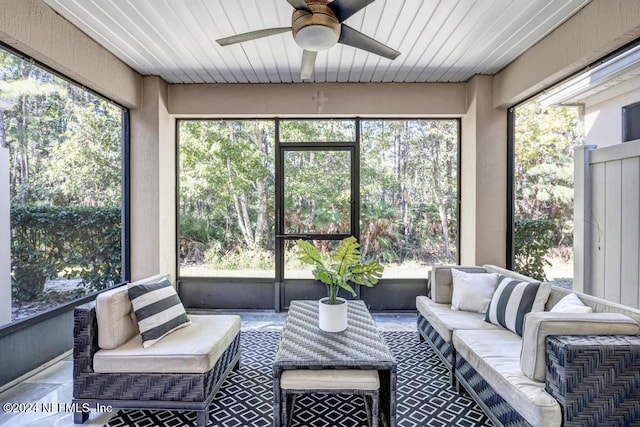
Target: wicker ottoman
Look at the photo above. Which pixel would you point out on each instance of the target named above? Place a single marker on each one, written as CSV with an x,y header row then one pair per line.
x,y
596,379
330,381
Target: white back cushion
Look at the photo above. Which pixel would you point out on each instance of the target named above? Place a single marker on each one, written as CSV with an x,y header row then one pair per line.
x,y
116,325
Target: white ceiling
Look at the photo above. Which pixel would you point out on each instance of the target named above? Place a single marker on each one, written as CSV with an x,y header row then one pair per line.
x,y
439,40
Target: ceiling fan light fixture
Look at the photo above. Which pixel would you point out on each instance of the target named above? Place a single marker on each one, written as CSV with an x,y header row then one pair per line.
x,y
316,37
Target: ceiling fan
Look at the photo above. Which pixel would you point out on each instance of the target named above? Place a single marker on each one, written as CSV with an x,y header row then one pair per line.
x,y
318,25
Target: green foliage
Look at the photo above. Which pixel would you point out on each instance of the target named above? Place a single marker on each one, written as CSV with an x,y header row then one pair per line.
x,y
241,259
343,266
533,238
408,187
73,242
543,181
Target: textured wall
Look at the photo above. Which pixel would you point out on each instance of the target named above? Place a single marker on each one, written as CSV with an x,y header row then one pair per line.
x,y
598,29
328,99
34,29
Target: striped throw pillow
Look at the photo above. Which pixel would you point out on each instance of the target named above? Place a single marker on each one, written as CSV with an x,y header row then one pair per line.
x,y
513,299
157,308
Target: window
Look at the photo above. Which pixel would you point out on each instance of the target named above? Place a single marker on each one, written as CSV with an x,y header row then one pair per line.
x,y
631,122
408,188
544,138
226,197
65,156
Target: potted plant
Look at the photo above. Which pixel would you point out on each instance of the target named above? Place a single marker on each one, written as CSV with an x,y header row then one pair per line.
x,y
343,267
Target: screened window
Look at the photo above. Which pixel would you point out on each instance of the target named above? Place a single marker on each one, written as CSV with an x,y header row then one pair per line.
x,y
543,190
409,190
226,198
407,193
63,148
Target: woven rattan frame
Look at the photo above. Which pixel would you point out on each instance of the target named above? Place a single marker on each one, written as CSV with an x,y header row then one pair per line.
x,y
304,346
595,378
445,351
287,397
496,408
170,391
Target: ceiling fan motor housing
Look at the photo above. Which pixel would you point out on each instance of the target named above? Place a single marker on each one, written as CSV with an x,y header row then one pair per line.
x,y
315,30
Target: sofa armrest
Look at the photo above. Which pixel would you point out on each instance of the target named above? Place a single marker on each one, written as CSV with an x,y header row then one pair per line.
x,y
85,338
595,379
539,325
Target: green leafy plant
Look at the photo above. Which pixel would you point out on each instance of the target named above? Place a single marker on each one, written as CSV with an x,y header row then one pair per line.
x,y
533,239
51,242
342,267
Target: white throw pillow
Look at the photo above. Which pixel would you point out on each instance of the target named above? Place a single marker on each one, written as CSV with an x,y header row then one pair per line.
x,y
472,291
571,304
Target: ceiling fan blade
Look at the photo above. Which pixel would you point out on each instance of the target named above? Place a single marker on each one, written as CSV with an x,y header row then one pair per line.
x,y
345,8
252,35
299,5
308,62
356,39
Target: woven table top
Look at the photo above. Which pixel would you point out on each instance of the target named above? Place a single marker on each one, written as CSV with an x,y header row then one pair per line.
x,y
304,344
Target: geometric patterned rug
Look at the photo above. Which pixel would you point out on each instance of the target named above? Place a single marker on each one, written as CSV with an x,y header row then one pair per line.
x,y
425,396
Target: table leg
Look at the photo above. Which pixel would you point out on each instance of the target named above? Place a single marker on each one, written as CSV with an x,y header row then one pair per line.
x,y
388,378
277,401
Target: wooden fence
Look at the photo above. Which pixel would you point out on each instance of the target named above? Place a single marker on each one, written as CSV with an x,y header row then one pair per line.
x,y
607,222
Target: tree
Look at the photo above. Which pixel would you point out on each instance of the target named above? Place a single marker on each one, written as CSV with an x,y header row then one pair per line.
x,y
85,168
227,176
543,182
543,179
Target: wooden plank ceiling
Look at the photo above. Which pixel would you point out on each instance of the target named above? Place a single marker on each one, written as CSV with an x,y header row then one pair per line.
x,y
439,40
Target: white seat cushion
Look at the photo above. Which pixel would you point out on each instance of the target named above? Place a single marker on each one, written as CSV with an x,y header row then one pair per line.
x,y
195,349
495,354
329,379
445,321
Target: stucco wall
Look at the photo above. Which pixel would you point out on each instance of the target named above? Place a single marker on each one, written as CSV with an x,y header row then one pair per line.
x,y
153,246
325,99
603,114
598,29
483,165
33,28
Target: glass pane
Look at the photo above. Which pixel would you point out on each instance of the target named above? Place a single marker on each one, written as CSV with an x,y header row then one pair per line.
x,y
317,191
226,197
543,190
64,161
408,192
317,130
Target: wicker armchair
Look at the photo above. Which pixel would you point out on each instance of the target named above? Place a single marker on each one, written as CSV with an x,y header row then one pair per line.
x,y
145,390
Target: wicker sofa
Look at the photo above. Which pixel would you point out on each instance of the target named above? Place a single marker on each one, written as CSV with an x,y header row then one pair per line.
x,y
182,371
566,369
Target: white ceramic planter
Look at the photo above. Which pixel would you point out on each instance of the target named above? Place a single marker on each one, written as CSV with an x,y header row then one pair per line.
x,y
332,318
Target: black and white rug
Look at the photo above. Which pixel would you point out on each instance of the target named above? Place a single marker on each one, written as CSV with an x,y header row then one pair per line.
x,y
425,396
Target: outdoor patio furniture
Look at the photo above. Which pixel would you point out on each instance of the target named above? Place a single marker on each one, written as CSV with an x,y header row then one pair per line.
x,y
182,371
513,376
306,350
325,381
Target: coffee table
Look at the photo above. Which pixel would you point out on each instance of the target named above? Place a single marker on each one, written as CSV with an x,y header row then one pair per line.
x,y
360,346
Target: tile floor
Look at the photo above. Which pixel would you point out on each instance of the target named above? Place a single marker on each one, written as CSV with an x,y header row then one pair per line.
x,y
46,393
